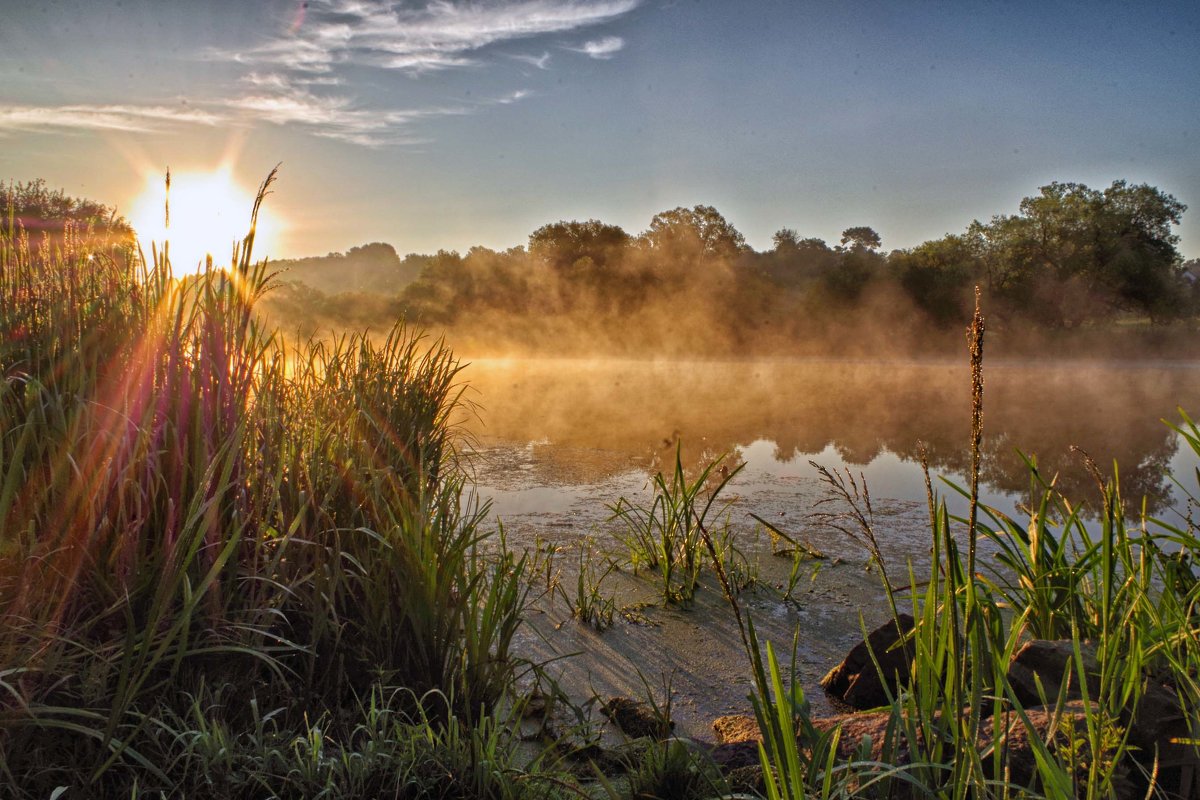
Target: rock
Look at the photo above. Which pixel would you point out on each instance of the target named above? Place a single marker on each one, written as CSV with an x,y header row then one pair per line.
x,y
747,780
857,728
1157,719
1047,661
857,683
865,736
736,728
1057,730
735,755
636,719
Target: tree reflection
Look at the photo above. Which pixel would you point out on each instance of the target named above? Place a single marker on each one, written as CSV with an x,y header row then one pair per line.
x,y
863,409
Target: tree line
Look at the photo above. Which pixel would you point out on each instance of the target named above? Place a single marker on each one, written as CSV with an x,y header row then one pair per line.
x,y
1072,257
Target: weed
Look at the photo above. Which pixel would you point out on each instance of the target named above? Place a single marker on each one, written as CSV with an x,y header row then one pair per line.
x,y
589,605
665,537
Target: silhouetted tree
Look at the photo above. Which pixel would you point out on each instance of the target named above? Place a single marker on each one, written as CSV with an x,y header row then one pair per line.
x,y
861,237
583,250
937,276
857,262
786,241
700,231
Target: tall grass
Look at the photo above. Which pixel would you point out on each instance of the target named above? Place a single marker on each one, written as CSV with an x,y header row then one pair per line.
x,y
1126,600
189,501
665,537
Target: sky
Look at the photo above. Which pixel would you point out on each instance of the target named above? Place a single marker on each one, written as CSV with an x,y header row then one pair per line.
x,y
449,124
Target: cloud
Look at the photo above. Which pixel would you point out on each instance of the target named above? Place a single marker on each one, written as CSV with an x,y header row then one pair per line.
x,y
269,80
270,100
125,118
601,48
439,35
540,62
295,78
336,117
332,36
512,97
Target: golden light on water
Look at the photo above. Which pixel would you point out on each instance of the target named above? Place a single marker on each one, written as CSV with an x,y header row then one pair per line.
x,y
209,212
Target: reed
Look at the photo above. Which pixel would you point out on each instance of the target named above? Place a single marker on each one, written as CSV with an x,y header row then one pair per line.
x,y
588,603
665,537
187,500
1127,592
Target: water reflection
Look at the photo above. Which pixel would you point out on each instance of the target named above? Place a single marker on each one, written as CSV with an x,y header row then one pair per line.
x,y
631,413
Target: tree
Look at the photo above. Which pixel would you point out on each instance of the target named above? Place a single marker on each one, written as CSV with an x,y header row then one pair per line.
x,y
698,231
857,262
1075,254
786,241
37,208
562,244
795,260
861,238
936,275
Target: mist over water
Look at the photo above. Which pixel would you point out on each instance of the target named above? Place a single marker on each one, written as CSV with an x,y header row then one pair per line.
x,y
587,422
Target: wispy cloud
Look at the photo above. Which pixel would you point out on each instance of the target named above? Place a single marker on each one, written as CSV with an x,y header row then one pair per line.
x,y
333,35
439,35
601,48
124,118
337,117
512,97
541,62
270,101
300,78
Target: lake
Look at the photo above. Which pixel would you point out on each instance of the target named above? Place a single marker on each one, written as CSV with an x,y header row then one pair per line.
x,y
556,441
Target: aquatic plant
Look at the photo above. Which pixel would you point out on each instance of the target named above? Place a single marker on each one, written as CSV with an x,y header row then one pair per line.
x,y
1126,596
665,537
588,603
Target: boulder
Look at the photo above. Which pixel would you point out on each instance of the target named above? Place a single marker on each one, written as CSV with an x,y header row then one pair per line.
x,y
636,719
1046,661
736,728
1061,730
857,683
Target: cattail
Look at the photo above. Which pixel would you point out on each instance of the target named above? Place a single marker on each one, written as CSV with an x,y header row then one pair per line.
x,y
975,346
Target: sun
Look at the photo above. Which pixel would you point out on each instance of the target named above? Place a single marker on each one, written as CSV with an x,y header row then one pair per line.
x,y
209,211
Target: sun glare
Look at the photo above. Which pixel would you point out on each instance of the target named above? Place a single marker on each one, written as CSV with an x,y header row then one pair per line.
x,y
209,212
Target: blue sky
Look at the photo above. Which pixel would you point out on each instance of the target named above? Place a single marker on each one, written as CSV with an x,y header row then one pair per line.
x,y
448,124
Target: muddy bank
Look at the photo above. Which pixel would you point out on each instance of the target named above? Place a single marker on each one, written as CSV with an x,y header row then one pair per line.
x,y
696,649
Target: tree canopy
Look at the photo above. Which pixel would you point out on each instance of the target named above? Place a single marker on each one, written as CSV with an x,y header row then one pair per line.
x,y
697,231
563,244
34,206
1075,254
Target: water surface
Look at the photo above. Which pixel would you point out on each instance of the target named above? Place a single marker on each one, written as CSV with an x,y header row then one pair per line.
x,y
558,440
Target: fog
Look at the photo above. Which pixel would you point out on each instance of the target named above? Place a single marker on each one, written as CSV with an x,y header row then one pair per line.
x,y
591,337
860,409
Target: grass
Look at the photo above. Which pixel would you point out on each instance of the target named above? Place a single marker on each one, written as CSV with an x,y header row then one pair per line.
x,y
202,521
235,565
588,603
665,537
